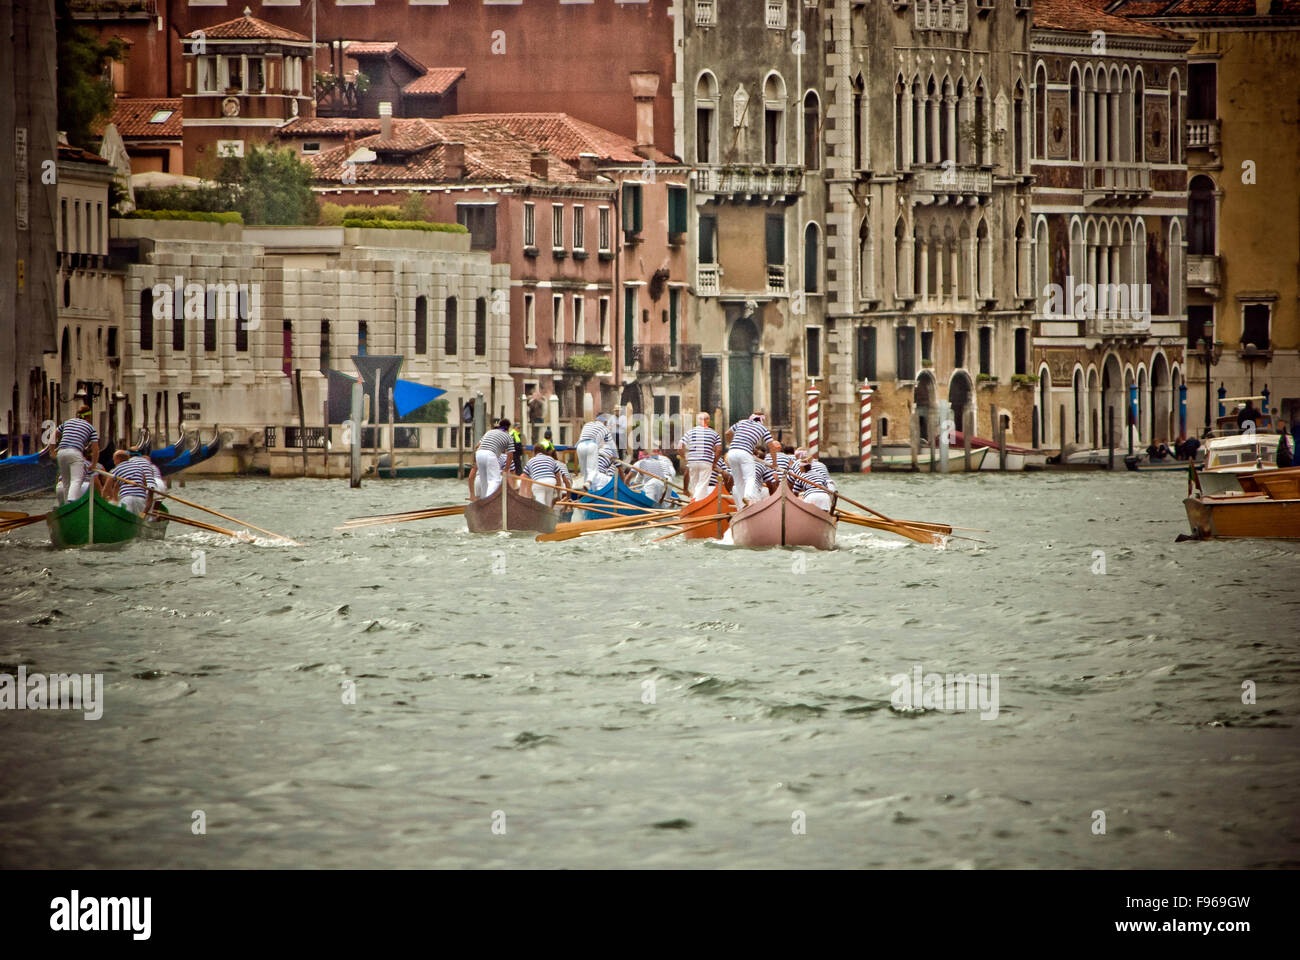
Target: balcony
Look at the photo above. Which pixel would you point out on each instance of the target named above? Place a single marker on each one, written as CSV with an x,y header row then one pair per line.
x,y
706,13
1115,183
953,185
941,15
1203,135
750,183
707,282
567,351
1203,274
776,278
1117,326
666,358
775,15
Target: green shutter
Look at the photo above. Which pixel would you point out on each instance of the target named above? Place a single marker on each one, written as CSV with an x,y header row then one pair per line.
x,y
776,239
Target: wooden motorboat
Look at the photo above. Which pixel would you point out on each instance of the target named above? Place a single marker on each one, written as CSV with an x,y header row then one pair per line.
x,y
716,501
891,459
783,520
517,512
1267,508
94,521
1231,457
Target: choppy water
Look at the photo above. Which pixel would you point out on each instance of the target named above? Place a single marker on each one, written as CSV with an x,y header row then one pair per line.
x,y
499,674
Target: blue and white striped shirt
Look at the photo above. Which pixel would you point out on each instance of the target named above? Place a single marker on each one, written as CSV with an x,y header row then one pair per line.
x,y
496,441
700,442
77,434
135,477
607,463
563,471
597,431
816,472
749,434
542,467
720,469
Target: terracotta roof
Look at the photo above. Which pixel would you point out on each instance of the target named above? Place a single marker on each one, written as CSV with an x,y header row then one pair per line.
x,y
369,49
417,153
330,126
78,155
1212,8
436,80
567,136
133,118
1085,16
249,28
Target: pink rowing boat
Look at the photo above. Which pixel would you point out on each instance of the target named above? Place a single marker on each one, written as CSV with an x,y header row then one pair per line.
x,y
783,520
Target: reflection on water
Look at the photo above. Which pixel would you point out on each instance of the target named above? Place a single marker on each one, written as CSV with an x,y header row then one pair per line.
x,y
609,702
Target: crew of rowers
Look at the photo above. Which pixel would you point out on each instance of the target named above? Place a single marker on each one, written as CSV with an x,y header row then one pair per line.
x,y
754,463
132,483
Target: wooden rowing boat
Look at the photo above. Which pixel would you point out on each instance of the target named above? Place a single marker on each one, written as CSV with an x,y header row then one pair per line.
x,y
521,513
716,501
615,489
97,523
1267,508
783,520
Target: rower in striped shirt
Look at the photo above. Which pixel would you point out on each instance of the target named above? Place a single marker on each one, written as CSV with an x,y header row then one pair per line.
x,y
133,478
701,446
77,444
594,436
814,470
607,467
547,469
721,474
493,451
742,439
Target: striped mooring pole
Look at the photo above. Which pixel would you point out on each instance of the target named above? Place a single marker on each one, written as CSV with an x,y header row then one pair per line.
x,y
814,421
864,397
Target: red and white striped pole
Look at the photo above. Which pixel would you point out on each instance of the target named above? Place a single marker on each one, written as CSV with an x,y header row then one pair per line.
x,y
814,420
864,396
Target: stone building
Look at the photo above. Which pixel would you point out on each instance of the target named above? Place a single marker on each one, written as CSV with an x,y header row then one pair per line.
x,y
1108,229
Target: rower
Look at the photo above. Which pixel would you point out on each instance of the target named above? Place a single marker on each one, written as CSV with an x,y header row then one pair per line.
x,y
78,450
702,447
594,435
656,488
721,474
490,456
134,477
812,469
606,467
743,437
545,468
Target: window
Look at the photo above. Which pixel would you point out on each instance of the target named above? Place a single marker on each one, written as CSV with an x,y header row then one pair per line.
x,y
210,321
99,228
811,258
865,367
480,327
579,239
676,212
146,318
1018,128
1254,325
178,321
112,342
927,347
421,325
1200,217
1175,121
530,320
450,321
1022,351
631,209
906,347
256,75
708,238
64,207
774,119
629,323
324,346
310,147
208,75
986,350
286,361
361,338
813,351
959,349
530,225
775,240
706,119
241,323
1200,324
812,132
780,380
1202,91
1040,112
579,319
234,73
604,321
602,221
557,226
557,318
674,318
480,219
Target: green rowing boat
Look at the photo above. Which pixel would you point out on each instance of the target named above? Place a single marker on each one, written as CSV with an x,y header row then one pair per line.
x,y
82,523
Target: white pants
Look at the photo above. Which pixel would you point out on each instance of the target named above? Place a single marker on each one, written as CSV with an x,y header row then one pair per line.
x,y
74,477
599,481
588,454
134,504
544,495
699,473
488,477
743,474
820,500
654,489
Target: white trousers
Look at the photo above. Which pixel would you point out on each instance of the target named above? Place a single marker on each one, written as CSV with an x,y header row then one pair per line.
x,y
743,474
698,472
488,477
133,504
544,495
74,477
588,456
654,489
820,500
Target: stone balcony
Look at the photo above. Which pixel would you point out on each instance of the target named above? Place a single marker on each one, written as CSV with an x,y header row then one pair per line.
x,y
1203,135
1203,274
776,278
952,185
748,183
1115,182
708,280
1103,325
683,358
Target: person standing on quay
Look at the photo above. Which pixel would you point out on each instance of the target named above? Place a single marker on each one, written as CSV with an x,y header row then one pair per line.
x,y
701,446
744,437
78,449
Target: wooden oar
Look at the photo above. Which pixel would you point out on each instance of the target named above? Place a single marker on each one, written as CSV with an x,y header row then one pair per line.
x,y
659,523
628,511
431,514
895,528
689,525
939,528
594,496
198,523
903,530
215,513
402,513
13,514
567,531
624,463
21,522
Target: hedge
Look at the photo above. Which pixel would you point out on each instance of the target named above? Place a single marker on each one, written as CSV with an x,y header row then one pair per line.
x,y
193,215
376,224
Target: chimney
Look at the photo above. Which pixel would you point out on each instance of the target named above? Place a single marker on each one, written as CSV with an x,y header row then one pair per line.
x,y
644,88
587,166
454,160
539,165
385,120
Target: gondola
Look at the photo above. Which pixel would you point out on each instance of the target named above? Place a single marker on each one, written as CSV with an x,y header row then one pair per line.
x,y
521,513
93,521
192,456
783,520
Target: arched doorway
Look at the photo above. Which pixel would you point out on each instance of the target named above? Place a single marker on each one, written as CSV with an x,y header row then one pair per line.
x,y
65,368
1080,407
924,396
1145,433
1044,413
1113,398
632,395
742,345
1162,423
959,394
1094,409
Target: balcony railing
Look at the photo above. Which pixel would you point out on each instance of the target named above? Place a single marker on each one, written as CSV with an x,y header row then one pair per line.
x,y
706,13
776,278
1202,134
963,182
1118,326
1202,271
751,181
776,15
666,358
1115,182
566,351
707,280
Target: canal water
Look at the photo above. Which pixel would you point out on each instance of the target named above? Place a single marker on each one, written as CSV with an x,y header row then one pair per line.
x,y
609,702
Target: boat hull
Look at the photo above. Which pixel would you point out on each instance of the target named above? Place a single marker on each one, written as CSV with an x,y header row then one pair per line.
x,y
76,525
523,514
1243,517
716,502
33,473
956,460
618,490
1226,479
783,520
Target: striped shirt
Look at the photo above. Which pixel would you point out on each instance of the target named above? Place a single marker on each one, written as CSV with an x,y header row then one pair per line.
x,y
720,469
544,468
658,465
597,431
563,471
77,434
135,476
749,434
607,463
816,472
700,442
496,441
763,471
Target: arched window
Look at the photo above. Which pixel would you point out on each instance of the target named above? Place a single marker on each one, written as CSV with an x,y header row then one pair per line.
x,y
1139,118
919,264
774,119
866,272
1200,217
983,263
1076,115
918,122
901,123
811,258
1042,266
902,268
1126,119
421,325
146,318
933,146
1177,276
981,121
964,290
948,124
480,327
1175,120
859,106
451,318
1018,128
706,118
963,120
1022,260
1040,112
812,153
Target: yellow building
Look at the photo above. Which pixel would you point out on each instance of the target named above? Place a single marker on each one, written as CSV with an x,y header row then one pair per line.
x,y
1243,224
